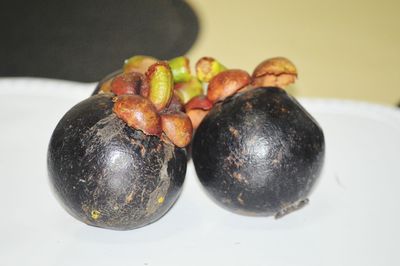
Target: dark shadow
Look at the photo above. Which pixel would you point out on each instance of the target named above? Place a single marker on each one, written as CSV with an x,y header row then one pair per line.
x,y
85,40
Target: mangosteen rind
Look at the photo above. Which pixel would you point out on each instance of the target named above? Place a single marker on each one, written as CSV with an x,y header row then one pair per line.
x,y
259,152
109,175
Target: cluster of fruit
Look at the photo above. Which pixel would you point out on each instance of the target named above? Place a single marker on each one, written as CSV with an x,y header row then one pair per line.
x,y
118,159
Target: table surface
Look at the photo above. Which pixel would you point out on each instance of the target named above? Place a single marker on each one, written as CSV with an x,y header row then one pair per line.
x,y
352,218
343,49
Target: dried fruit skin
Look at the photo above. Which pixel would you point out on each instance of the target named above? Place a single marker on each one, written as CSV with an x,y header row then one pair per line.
x,y
138,113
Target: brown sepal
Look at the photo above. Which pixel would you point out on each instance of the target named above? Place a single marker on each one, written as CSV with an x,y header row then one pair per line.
x,y
177,127
226,84
129,83
277,71
196,116
175,105
199,102
139,113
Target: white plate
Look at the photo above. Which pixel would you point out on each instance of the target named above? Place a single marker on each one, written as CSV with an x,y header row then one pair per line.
x,y
352,218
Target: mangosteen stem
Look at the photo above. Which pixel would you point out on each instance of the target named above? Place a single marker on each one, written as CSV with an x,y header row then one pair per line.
x,y
291,208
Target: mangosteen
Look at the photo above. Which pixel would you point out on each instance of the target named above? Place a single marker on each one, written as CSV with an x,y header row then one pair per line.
x,y
259,152
117,160
108,174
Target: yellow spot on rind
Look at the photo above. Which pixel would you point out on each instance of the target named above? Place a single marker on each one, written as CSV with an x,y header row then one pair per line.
x,y
160,200
95,214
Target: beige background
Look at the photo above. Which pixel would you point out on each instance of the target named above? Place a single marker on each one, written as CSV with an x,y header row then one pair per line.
x,y
343,49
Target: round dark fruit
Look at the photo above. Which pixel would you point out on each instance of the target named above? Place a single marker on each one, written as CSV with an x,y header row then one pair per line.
x,y
259,153
109,175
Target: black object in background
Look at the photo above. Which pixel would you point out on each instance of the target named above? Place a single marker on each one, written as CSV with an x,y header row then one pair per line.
x,y
85,40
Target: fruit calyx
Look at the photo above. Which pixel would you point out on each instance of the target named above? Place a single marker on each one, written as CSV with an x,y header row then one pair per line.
x,y
147,102
170,87
274,72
